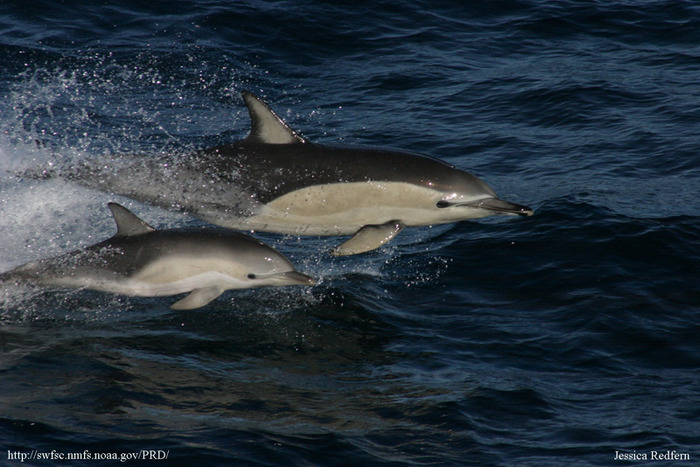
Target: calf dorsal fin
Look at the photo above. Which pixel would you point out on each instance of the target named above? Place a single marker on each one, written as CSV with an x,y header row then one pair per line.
x,y
128,224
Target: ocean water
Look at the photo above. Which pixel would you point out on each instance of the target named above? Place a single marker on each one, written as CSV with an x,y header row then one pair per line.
x,y
571,337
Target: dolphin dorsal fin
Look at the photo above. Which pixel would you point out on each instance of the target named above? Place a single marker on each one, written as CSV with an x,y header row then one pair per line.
x,y
265,126
128,224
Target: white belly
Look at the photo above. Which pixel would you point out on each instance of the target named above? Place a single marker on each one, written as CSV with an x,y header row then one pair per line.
x,y
165,277
343,208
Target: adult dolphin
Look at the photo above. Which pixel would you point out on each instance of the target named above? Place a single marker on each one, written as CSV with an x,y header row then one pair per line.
x,y
142,261
276,181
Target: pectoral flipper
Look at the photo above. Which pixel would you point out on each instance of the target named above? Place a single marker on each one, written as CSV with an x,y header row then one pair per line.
x,y
368,238
198,298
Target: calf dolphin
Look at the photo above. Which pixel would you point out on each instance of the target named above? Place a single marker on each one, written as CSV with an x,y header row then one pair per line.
x,y
142,261
276,181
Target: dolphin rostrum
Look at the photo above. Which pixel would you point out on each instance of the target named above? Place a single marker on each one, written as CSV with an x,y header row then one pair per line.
x,y
274,180
142,261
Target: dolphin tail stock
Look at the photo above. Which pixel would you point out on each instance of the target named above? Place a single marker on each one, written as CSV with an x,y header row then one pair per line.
x,y
369,238
42,171
47,170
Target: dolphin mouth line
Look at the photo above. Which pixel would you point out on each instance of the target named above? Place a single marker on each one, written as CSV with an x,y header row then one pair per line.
x,y
289,277
500,206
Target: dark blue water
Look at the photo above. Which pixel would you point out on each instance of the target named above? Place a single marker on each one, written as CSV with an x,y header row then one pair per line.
x,y
566,338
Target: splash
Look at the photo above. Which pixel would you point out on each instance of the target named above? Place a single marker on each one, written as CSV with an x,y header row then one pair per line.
x,y
98,105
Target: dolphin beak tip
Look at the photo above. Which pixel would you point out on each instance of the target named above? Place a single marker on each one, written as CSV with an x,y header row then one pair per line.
x,y
298,278
310,281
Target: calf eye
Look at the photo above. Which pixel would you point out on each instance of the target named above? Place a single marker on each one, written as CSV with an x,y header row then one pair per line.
x,y
442,204
251,276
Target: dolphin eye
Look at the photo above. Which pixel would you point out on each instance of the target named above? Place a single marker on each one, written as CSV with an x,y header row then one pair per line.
x,y
251,276
442,204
